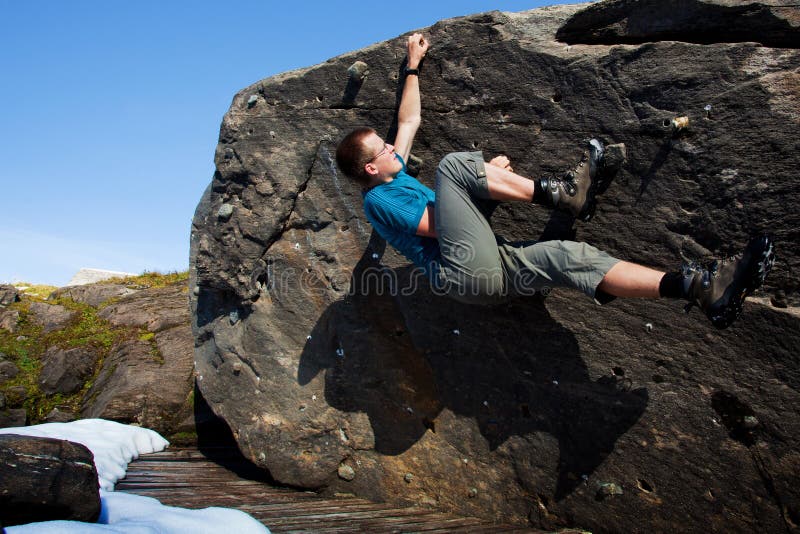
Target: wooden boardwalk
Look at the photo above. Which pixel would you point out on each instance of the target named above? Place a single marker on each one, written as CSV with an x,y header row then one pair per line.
x,y
191,479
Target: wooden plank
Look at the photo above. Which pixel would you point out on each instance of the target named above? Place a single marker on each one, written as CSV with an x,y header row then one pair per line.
x,y
188,478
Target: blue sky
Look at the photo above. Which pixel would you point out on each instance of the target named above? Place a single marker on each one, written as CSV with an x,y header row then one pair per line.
x,y
110,114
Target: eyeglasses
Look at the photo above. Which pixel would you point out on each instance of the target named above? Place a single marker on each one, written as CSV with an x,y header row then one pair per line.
x,y
381,153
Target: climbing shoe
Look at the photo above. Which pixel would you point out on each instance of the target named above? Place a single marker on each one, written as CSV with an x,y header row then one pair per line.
x,y
575,191
720,287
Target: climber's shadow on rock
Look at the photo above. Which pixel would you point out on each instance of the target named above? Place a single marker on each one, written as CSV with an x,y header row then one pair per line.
x,y
399,353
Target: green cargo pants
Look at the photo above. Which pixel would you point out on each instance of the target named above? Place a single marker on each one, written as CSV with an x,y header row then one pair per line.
x,y
479,267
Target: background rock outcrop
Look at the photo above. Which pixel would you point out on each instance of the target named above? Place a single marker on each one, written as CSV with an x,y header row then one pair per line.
x,y
120,351
339,370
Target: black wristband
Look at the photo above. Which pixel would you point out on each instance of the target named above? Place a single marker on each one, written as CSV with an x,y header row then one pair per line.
x,y
408,71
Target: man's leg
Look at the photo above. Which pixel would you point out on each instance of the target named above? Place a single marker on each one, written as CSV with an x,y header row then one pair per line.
x,y
575,192
470,268
626,279
508,186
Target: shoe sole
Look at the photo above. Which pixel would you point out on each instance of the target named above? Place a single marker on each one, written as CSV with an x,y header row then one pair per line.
x,y
595,156
757,261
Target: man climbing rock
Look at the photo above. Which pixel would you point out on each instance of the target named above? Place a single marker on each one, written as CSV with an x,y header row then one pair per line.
x,y
447,234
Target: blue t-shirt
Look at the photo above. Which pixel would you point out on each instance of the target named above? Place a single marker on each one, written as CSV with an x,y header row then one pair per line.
x,y
394,209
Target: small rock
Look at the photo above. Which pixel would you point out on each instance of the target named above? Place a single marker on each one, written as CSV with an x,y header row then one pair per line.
x,y
7,371
9,320
473,492
648,327
358,70
60,416
457,332
51,316
233,316
779,299
237,368
750,422
8,295
408,478
15,396
224,212
346,472
252,101
607,489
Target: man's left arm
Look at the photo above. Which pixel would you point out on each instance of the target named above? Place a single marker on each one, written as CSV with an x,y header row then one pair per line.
x,y
409,116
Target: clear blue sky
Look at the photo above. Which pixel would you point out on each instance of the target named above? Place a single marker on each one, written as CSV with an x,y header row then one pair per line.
x,y
110,113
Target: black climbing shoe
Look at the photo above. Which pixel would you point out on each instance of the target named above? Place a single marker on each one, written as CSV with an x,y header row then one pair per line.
x,y
575,191
719,288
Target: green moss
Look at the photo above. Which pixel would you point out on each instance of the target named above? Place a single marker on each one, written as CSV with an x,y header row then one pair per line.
x,y
28,344
150,279
36,290
182,438
147,336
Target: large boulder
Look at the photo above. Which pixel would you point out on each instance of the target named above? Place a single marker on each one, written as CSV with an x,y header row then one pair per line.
x,y
338,368
45,479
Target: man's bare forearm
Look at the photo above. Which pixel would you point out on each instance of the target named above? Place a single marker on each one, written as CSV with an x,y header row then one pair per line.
x,y
409,115
410,111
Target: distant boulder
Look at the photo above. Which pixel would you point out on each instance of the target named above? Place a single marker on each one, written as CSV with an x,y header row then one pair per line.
x,y
93,294
66,371
9,320
51,316
91,276
8,295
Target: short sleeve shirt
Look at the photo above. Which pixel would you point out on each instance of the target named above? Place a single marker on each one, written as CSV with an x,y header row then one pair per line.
x,y
394,209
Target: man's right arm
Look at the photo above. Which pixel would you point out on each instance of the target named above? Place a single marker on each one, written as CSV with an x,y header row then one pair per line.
x,y
409,116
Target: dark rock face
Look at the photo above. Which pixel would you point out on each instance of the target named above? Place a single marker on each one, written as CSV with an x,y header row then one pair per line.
x,y
65,371
93,294
773,23
8,295
46,479
138,384
326,354
147,381
51,316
